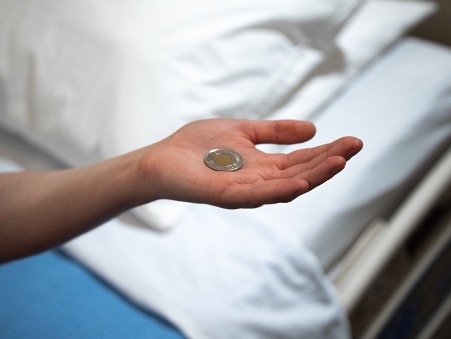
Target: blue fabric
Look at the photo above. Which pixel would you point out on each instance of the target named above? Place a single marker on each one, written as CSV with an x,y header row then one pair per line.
x,y
51,296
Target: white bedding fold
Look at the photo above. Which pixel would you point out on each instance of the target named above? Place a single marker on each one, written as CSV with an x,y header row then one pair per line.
x,y
218,275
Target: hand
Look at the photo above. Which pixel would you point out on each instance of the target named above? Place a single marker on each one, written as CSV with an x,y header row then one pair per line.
x,y
174,168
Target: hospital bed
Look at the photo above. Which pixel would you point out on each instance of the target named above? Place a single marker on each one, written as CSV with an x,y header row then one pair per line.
x,y
381,240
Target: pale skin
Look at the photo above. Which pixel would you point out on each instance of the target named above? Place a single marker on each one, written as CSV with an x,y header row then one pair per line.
x,y
41,210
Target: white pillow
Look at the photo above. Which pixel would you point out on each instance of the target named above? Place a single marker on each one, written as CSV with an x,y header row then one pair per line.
x,y
371,30
90,80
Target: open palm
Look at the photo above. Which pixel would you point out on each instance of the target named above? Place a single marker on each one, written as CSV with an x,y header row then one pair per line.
x,y
174,168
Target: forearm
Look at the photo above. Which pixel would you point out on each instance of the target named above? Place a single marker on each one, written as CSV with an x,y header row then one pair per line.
x,y
40,210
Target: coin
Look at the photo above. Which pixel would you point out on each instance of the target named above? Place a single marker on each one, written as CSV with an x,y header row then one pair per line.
x,y
223,160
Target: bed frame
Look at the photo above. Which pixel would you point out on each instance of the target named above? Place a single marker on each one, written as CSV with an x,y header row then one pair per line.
x,y
395,281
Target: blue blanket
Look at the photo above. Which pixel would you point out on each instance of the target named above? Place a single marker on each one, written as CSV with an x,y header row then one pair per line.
x,y
51,296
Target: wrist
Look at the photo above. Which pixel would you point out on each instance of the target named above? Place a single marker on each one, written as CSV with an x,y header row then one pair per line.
x,y
142,173
116,181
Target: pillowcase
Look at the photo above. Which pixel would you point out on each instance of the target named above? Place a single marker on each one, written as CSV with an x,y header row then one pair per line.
x,y
89,80
371,30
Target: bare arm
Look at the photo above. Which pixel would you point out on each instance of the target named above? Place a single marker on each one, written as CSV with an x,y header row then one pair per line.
x,y
40,210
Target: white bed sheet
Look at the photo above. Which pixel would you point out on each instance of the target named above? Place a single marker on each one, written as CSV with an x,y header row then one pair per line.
x,y
248,271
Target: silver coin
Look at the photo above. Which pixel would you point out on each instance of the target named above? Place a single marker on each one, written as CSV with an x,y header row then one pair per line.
x,y
223,160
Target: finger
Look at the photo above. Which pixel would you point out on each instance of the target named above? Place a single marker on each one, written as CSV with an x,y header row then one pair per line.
x,y
324,171
280,131
262,193
346,147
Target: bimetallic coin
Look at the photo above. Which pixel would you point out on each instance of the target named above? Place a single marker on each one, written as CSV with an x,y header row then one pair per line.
x,y
223,160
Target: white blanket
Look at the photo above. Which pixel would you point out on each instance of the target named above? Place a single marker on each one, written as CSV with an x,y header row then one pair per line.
x,y
218,275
